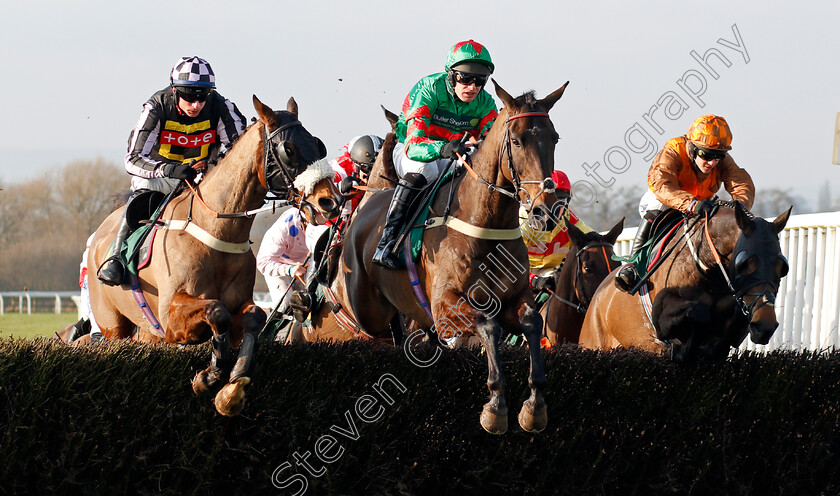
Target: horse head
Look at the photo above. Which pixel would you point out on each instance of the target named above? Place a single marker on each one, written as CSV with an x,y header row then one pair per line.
x,y
756,268
288,148
528,139
592,259
320,199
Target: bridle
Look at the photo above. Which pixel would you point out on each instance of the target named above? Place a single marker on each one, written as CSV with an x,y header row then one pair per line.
x,y
278,167
547,183
277,172
583,301
765,297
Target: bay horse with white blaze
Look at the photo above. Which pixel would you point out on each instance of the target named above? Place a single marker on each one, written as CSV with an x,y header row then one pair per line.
x,y
472,274
199,283
717,286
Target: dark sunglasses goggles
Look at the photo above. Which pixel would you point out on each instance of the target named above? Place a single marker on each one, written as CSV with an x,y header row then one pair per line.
x,y
467,79
193,95
710,155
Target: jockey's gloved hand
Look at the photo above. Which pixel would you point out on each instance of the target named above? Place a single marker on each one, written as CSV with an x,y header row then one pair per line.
x,y
544,283
704,206
450,149
345,187
179,171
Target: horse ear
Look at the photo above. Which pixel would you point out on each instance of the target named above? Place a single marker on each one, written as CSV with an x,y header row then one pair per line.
x,y
612,236
503,95
267,115
292,106
781,221
743,219
576,235
391,117
551,99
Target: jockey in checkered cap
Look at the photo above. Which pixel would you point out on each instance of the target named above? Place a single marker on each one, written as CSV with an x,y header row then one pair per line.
x,y
685,175
180,128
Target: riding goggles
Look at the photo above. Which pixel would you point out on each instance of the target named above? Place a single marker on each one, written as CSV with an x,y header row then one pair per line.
x,y
467,79
193,95
710,155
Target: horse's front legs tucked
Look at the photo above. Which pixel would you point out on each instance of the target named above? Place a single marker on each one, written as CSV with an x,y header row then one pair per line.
x,y
190,318
494,415
533,416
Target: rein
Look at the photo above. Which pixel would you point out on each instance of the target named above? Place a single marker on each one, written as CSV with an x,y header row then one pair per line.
x,y
583,303
517,183
746,309
487,233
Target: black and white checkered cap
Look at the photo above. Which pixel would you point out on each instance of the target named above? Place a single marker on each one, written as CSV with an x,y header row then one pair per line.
x,y
192,71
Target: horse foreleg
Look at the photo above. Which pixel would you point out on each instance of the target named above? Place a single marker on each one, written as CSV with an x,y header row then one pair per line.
x,y
188,319
533,416
494,414
220,362
231,398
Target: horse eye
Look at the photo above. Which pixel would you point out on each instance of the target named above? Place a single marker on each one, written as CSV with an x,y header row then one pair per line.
x,y
516,142
782,266
745,267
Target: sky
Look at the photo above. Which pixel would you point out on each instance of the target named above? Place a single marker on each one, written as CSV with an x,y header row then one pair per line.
x,y
76,74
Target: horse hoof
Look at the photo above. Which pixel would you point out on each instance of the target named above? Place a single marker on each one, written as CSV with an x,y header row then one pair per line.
x,y
231,399
494,422
533,421
203,382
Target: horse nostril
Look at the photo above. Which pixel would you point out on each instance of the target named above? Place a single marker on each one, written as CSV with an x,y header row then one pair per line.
x,y
327,204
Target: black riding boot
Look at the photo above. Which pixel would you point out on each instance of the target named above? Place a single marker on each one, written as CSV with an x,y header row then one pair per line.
x,y
112,271
406,190
627,278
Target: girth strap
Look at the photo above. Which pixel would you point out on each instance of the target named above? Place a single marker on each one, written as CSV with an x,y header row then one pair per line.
x,y
474,231
205,237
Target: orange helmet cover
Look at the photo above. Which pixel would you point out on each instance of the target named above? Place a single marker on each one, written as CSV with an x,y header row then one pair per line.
x,y
710,131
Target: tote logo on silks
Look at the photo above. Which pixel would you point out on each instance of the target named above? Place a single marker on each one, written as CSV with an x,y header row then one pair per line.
x,y
186,142
174,138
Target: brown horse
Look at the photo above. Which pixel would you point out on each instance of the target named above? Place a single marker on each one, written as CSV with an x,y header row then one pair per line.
x,y
588,262
200,281
473,271
718,284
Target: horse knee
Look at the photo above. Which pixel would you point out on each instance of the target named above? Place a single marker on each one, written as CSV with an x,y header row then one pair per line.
x,y
254,318
219,317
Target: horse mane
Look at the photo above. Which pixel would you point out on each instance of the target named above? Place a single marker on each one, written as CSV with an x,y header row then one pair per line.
x,y
734,204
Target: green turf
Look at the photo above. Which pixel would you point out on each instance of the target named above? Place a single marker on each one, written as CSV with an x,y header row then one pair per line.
x,y
38,324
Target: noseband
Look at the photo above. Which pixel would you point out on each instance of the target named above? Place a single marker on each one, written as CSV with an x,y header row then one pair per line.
x,y
767,297
517,183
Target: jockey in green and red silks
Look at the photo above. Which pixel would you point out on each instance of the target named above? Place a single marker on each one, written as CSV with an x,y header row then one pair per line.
x,y
432,114
438,113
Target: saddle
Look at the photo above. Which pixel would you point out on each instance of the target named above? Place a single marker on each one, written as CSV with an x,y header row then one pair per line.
x,y
664,227
136,252
416,225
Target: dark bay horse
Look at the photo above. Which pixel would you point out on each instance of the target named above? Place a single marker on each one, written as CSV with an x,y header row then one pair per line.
x,y
200,281
474,271
588,262
718,285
